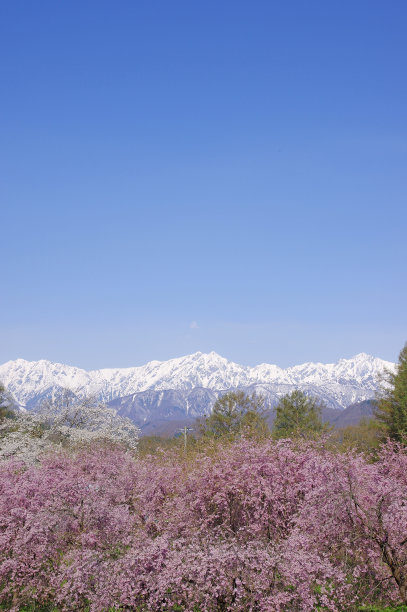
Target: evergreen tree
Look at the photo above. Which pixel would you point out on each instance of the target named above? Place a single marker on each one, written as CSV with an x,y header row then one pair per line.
x,y
235,414
392,402
297,414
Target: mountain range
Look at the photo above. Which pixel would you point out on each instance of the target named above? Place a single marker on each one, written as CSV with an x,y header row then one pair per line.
x,y
187,387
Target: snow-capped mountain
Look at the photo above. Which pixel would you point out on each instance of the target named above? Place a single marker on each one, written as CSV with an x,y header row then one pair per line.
x,y
338,384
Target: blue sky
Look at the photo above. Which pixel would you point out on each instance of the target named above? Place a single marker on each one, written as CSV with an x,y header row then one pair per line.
x,y
183,176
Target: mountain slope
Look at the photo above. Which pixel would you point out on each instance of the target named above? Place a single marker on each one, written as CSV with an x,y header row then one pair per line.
x,y
338,384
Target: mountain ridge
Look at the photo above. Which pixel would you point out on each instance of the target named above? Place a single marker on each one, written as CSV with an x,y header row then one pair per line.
x,y
340,383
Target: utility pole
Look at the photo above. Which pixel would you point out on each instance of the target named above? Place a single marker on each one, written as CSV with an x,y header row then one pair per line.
x,y
184,431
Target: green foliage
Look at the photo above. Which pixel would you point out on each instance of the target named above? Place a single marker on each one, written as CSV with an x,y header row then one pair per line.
x,y
236,414
298,415
151,445
380,609
5,412
392,403
364,437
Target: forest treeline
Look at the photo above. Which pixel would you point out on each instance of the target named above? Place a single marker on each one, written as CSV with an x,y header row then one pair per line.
x,y
297,415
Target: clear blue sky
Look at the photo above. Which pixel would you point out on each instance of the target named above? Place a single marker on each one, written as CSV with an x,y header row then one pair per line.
x,y
182,176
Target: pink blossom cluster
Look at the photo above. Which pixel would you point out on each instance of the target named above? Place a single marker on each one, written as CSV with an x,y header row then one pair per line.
x,y
255,526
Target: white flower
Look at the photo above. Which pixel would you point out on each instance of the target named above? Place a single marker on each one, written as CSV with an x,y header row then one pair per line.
x,y
67,421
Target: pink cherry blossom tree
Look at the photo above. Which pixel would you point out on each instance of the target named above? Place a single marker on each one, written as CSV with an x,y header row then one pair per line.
x,y
254,526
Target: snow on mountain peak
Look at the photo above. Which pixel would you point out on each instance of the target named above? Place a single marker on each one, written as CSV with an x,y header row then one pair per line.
x,y
359,376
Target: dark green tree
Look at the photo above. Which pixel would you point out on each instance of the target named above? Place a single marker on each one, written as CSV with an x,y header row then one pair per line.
x,y
298,415
392,401
5,404
236,414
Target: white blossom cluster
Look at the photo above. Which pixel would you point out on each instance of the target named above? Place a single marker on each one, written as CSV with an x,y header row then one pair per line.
x,y
66,422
